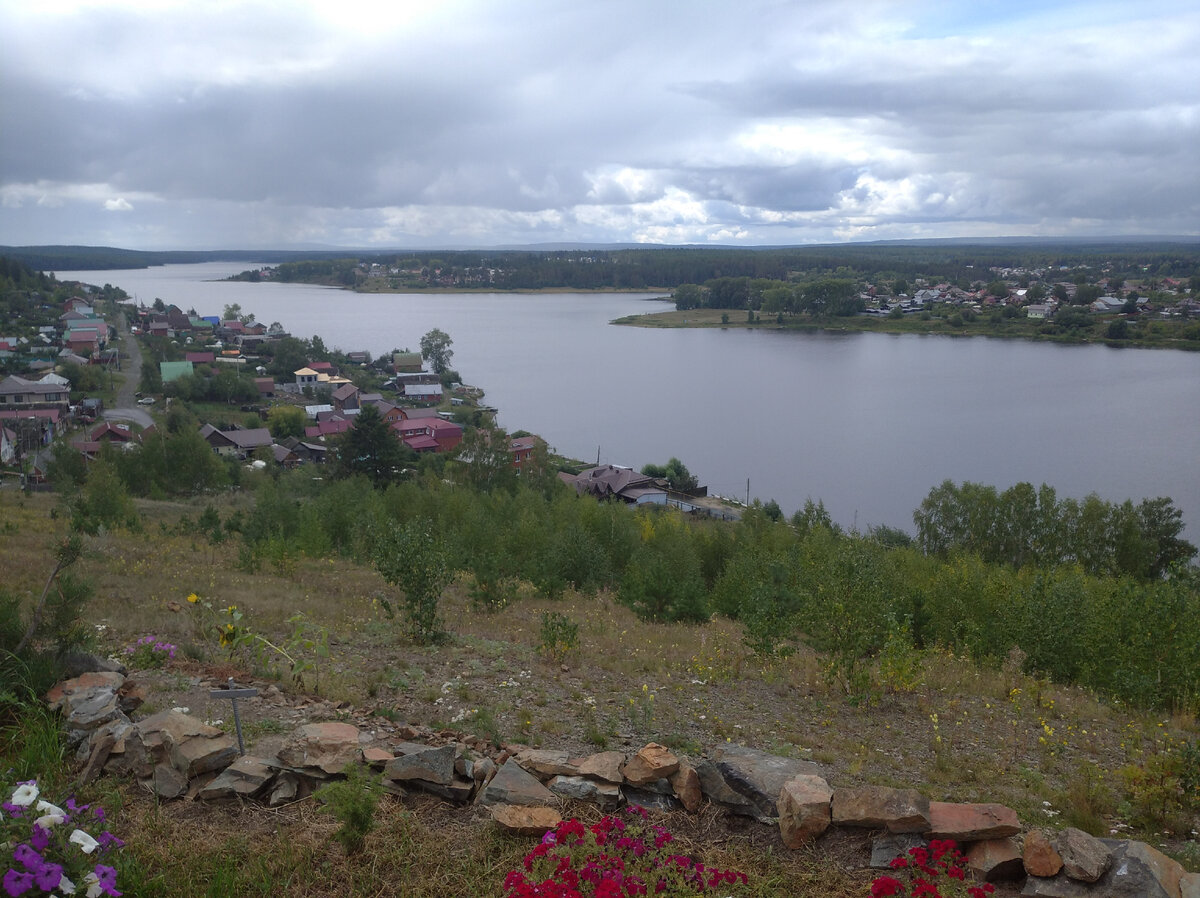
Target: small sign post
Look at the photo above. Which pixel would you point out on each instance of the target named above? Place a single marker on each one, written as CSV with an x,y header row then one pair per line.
x,y
233,692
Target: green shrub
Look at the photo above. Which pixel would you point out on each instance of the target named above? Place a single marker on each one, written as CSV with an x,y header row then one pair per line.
x,y
353,801
560,635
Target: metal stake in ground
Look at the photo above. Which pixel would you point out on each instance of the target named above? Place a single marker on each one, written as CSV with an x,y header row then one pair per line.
x,y
233,693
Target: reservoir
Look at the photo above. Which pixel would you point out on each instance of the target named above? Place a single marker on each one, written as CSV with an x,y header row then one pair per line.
x,y
868,423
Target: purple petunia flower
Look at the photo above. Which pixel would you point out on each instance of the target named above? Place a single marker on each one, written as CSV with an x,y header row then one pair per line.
x,y
106,878
17,883
28,858
107,840
48,877
39,838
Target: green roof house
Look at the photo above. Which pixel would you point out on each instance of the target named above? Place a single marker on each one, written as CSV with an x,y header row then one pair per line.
x,y
406,362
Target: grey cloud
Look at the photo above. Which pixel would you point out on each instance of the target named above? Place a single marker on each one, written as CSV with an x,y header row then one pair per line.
x,y
527,117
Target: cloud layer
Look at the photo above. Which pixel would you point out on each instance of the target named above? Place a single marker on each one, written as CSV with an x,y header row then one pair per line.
x,y
177,124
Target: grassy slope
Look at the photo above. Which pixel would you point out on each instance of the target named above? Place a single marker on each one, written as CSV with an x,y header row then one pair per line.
x,y
1038,744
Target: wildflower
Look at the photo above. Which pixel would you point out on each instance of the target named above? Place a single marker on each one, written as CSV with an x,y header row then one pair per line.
x,y
193,598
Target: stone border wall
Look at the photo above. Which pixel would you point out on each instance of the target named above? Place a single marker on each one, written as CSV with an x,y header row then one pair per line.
x,y
178,756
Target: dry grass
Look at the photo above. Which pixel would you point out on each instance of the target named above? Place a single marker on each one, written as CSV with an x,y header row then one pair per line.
x,y
1003,736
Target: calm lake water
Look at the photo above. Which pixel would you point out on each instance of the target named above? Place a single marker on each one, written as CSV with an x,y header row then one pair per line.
x,y
866,422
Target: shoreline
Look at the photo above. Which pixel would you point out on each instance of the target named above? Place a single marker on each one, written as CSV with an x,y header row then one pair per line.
x,y
661,293
706,319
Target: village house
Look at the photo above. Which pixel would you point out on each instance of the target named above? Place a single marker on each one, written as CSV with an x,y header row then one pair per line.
x,y
522,449
17,392
447,434
613,482
284,457
429,434
415,435
426,393
238,442
1108,304
388,411
406,362
305,451
345,397
36,426
328,428
102,433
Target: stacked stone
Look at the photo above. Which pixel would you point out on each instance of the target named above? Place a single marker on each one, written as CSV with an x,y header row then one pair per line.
x,y
523,789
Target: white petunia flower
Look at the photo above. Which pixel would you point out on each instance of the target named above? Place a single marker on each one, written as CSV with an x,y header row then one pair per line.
x,y
92,881
48,820
46,808
66,886
85,842
25,795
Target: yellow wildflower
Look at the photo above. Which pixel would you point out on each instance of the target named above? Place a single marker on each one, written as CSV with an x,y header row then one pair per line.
x,y
193,598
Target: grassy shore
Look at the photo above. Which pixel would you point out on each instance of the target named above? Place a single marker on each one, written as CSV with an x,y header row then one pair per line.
x,y
1159,334
955,730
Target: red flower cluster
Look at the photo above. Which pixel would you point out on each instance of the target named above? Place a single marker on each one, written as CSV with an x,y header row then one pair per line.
x,y
924,867
613,858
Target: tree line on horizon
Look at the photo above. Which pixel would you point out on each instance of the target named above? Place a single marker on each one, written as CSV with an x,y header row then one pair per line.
x,y
667,267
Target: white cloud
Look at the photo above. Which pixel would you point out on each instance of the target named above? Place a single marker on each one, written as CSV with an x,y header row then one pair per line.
x,y
120,204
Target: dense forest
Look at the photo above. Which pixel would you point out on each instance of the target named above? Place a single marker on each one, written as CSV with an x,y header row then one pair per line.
x,y
645,269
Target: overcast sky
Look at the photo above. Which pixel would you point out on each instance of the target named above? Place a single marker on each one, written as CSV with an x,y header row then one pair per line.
x,y
218,124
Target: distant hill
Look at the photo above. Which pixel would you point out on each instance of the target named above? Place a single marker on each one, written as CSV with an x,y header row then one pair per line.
x,y
106,258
